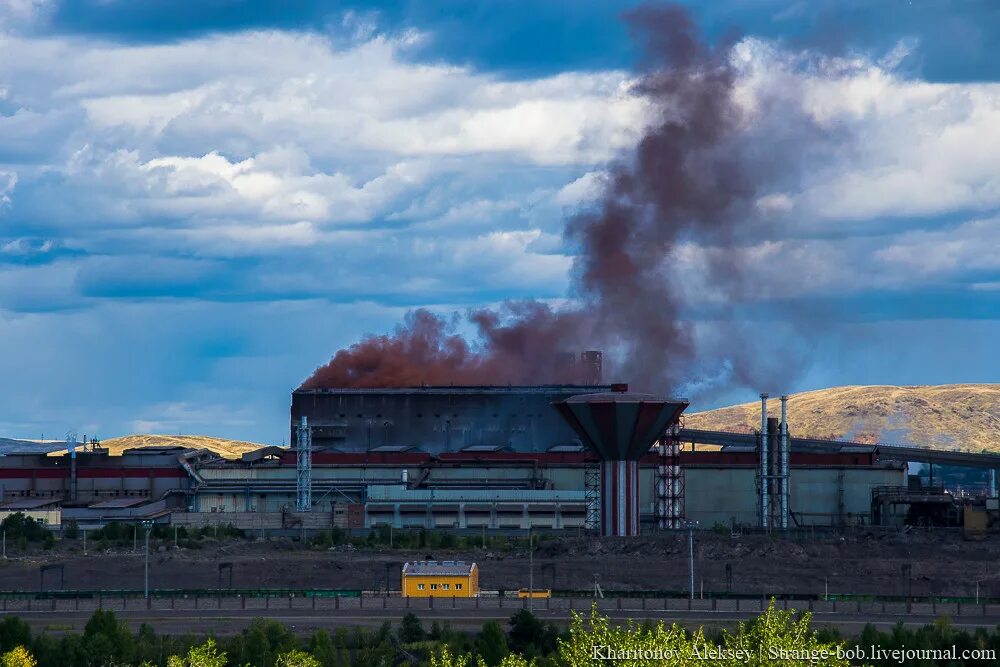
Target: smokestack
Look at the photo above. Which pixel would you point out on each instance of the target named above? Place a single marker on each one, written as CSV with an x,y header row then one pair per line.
x,y
73,484
591,366
784,478
567,367
764,505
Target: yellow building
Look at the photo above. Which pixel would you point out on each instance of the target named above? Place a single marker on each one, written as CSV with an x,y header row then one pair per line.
x,y
445,579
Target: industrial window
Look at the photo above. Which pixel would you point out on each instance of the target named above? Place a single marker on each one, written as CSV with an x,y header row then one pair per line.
x,y
420,587
458,587
446,586
434,587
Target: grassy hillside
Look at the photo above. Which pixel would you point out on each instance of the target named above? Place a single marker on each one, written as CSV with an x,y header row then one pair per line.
x,y
229,448
954,416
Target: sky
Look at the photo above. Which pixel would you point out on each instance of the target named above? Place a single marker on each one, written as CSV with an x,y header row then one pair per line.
x,y
199,206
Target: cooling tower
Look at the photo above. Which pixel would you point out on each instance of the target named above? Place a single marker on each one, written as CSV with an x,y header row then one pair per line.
x,y
620,427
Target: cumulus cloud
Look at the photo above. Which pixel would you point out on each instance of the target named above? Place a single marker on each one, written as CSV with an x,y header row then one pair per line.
x,y
912,149
278,193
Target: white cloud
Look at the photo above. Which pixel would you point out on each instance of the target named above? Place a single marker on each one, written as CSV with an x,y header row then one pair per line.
x,y
300,88
584,190
910,148
972,246
21,13
8,181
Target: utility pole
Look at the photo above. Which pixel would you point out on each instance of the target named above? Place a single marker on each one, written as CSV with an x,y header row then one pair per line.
x,y
691,525
135,538
5,545
145,573
531,574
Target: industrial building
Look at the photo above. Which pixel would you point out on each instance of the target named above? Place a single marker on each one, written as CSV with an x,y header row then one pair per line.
x,y
430,578
553,457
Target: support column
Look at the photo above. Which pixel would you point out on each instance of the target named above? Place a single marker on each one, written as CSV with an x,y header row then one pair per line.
x,y
619,498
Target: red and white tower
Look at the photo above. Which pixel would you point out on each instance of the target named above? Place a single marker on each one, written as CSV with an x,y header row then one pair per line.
x,y
620,427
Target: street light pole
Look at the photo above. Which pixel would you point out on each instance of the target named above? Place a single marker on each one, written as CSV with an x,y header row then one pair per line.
x,y
145,572
691,554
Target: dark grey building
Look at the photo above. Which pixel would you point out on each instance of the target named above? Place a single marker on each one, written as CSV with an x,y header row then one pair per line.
x,y
437,419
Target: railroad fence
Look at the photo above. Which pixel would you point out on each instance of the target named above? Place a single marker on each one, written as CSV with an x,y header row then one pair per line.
x,y
635,607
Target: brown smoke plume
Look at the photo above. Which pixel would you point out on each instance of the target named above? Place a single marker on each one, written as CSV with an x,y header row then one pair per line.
x,y
689,179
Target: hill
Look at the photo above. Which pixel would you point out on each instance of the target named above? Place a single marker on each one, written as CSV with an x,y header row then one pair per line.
x,y
954,416
231,449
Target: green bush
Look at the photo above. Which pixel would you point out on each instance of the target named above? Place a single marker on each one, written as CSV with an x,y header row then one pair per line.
x,y
19,526
721,529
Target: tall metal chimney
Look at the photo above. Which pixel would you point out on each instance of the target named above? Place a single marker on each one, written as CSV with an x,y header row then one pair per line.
x,y
764,504
591,367
783,472
620,427
73,482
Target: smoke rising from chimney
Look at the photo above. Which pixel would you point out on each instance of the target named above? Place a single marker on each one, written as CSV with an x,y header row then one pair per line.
x,y
692,179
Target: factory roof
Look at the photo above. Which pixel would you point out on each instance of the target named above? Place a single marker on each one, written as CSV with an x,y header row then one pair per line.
x,y
486,448
438,568
390,449
119,503
30,503
464,389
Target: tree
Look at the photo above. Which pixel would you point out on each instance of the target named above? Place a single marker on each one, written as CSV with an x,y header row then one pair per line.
x,y
13,633
296,658
17,657
72,530
445,658
774,638
19,526
321,646
411,630
527,633
106,640
206,655
492,644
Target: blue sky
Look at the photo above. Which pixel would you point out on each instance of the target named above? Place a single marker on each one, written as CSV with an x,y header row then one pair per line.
x,y
199,207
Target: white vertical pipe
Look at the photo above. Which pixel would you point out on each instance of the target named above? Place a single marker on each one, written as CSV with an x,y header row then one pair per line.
x,y
764,504
784,461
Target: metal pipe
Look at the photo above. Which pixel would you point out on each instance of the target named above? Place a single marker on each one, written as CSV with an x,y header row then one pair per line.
x,y
691,555
784,462
764,504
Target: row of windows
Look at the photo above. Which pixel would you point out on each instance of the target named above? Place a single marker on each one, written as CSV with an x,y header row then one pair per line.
x,y
434,587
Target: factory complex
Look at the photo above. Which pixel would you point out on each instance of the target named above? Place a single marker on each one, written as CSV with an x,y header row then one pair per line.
x,y
571,457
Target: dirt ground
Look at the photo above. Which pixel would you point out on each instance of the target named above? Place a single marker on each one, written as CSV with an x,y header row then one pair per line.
x,y
862,564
